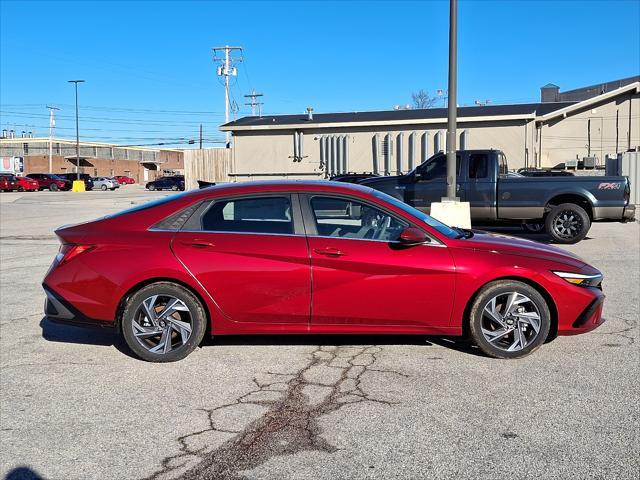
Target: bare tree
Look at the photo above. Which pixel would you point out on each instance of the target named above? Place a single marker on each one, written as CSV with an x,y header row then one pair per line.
x,y
421,99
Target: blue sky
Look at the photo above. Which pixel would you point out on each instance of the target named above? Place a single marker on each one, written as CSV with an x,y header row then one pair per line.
x,y
150,77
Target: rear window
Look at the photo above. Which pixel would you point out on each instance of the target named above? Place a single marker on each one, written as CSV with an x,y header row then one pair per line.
x,y
250,215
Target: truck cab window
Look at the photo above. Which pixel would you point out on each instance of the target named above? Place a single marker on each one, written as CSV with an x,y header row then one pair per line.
x,y
478,166
436,167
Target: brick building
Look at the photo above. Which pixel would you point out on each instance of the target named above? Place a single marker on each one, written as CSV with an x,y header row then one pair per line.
x,y
96,159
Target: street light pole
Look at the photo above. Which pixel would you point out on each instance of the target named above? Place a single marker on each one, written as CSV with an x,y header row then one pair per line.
x,y
76,82
452,101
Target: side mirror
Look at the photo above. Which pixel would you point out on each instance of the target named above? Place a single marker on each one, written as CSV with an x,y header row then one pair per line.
x,y
413,236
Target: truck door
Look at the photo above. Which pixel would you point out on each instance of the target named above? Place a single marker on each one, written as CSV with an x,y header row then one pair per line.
x,y
477,186
430,183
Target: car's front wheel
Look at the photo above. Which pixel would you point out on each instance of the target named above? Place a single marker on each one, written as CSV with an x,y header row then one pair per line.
x,y
509,319
163,322
152,187
53,187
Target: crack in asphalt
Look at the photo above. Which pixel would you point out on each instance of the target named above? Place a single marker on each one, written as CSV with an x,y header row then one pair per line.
x,y
290,422
623,333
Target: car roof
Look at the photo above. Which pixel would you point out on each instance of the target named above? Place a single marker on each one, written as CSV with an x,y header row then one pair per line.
x,y
264,186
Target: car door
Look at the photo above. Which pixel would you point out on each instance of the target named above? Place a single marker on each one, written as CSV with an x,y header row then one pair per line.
x,y
362,276
251,255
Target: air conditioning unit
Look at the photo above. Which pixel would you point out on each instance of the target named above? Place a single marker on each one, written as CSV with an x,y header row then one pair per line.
x,y
590,162
572,163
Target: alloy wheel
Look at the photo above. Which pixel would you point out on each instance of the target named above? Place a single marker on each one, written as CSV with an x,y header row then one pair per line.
x,y
162,323
567,224
510,321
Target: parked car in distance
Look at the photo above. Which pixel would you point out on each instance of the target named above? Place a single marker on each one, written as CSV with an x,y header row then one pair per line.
x,y
566,205
123,179
8,182
174,182
105,183
280,258
50,181
88,181
352,177
27,184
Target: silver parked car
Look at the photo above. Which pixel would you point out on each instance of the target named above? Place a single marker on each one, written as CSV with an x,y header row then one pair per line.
x,y
105,183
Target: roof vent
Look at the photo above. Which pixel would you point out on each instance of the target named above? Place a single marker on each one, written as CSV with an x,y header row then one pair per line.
x,y
309,113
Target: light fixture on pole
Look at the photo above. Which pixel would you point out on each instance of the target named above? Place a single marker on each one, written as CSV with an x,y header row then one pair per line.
x,y
76,82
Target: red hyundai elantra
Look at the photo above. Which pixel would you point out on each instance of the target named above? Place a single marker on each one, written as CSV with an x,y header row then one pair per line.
x,y
311,257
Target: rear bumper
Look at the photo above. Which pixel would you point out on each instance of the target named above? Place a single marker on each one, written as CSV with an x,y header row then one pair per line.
x,y
629,213
58,310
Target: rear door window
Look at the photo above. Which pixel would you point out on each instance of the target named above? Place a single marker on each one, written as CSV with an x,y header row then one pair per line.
x,y
478,166
269,215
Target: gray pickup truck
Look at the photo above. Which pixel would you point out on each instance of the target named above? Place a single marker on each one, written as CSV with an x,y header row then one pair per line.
x,y
566,206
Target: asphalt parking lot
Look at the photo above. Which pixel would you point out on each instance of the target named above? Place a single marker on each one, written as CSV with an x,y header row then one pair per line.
x,y
76,405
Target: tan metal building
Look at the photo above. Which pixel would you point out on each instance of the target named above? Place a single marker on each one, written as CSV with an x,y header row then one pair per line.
x,y
605,122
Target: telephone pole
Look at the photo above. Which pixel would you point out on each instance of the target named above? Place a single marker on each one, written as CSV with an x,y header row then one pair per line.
x,y
52,125
253,96
76,82
226,70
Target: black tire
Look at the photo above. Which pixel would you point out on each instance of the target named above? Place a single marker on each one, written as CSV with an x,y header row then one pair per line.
x,y
20,189
198,320
567,223
478,319
103,188
53,187
152,188
174,188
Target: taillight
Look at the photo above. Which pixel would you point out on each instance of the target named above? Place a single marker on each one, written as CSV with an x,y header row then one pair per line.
x,y
69,251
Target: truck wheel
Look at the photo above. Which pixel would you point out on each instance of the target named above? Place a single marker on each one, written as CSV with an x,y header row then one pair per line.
x,y
567,223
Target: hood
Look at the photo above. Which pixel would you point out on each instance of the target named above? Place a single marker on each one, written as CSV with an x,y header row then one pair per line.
x,y
518,246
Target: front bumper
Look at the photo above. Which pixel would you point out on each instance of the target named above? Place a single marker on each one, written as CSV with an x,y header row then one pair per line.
x,y
590,318
629,213
58,310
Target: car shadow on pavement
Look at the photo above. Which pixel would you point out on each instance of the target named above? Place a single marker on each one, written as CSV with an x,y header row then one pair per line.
x,y
56,332
452,343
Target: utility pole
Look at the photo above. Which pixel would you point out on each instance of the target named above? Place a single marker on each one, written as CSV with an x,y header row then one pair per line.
x,y
227,69
200,136
452,101
76,82
52,125
253,96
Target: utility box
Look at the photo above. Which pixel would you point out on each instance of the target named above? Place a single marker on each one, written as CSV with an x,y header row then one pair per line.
x,y
630,167
590,162
572,163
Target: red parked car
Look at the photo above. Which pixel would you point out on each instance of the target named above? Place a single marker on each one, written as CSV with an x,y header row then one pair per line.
x,y
8,182
27,184
311,257
51,181
123,179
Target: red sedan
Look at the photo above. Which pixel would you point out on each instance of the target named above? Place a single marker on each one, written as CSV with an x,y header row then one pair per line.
x,y
123,179
27,184
311,257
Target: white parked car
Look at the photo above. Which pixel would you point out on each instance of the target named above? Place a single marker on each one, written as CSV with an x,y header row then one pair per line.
x,y
105,183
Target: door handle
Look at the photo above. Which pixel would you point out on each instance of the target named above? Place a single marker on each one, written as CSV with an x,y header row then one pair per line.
x,y
198,244
329,252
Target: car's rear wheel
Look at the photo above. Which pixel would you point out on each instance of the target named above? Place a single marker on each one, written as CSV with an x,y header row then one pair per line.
x,y
152,187
174,188
53,187
509,319
163,322
103,188
567,223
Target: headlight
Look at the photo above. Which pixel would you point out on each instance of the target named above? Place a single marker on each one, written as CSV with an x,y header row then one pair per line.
x,y
581,279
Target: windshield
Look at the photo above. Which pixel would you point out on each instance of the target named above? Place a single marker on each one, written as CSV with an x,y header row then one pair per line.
x,y
432,222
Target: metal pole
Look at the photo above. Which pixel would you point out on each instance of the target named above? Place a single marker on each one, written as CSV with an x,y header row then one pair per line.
x,y
226,94
52,123
200,136
452,101
76,82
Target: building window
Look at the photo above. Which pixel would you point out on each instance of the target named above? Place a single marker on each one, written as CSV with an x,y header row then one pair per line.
x,y
25,148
